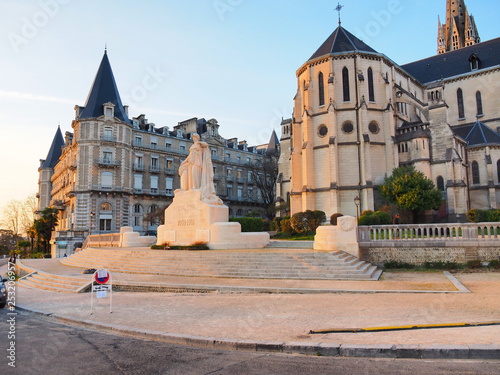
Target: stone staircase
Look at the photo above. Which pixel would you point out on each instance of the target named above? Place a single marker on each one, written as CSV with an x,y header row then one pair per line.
x,y
273,263
54,283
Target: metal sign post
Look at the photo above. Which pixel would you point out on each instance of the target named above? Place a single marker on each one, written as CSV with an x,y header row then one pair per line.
x,y
101,285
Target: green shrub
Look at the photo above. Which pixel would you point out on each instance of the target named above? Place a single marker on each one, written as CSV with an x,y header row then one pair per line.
x,y
286,226
383,217
492,216
475,215
276,224
315,218
300,222
474,264
495,264
334,218
249,224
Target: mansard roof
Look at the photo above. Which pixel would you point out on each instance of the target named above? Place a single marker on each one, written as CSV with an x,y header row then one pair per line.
x,y
55,150
455,63
477,134
341,41
104,90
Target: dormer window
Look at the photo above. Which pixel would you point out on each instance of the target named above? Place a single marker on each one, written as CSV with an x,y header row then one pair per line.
x,y
109,110
474,62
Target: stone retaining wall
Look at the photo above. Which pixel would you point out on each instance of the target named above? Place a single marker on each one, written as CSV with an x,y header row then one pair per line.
x,y
414,254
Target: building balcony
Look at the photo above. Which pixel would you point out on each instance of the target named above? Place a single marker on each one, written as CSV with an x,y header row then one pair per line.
x,y
170,171
108,138
154,169
139,167
107,163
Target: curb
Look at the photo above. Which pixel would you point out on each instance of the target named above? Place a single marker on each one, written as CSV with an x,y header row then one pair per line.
x,y
474,352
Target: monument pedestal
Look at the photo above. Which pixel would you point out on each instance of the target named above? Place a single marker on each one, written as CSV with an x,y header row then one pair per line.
x,y
189,219
343,237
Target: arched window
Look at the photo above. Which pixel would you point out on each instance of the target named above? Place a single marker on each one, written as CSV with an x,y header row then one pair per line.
x,y
345,84
460,103
479,103
105,207
476,179
371,88
440,183
321,89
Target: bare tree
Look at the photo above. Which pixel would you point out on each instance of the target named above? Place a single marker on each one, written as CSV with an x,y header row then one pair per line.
x,y
12,216
264,173
18,216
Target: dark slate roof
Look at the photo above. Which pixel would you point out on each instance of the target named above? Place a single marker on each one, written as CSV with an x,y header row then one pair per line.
x,y
103,91
341,41
455,63
55,150
477,134
273,145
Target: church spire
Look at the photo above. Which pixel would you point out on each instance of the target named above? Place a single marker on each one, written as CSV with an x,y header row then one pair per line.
x,y
459,30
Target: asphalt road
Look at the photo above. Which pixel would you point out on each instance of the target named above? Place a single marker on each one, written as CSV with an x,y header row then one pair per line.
x,y
41,346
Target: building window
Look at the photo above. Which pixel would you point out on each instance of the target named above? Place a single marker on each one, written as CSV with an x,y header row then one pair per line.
x,y
169,186
373,127
476,178
138,182
108,134
139,162
105,207
371,88
479,103
321,88
229,191
440,183
153,218
138,140
322,131
347,127
106,179
104,225
345,84
155,164
154,143
154,184
460,103
107,157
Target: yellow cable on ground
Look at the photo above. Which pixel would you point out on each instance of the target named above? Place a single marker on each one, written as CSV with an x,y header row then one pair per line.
x,y
403,328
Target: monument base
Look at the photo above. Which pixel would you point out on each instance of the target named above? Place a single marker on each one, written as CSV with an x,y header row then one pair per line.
x,y
343,237
189,219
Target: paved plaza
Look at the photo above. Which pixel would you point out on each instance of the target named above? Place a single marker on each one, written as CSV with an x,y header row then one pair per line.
x,y
282,321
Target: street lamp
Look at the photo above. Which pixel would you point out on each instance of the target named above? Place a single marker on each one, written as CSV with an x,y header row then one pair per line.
x,y
357,202
91,220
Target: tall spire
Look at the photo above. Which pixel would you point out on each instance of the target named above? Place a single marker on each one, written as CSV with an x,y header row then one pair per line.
x,y
104,90
460,29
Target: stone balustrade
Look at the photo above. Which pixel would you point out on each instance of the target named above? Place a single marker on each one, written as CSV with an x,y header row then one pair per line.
x,y
429,232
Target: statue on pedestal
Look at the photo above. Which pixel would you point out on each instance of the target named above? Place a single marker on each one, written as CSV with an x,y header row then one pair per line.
x,y
196,172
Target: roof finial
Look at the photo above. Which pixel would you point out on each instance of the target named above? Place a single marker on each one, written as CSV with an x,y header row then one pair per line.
x,y
105,48
338,9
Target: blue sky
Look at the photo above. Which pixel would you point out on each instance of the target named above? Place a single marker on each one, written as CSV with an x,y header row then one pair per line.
x,y
233,60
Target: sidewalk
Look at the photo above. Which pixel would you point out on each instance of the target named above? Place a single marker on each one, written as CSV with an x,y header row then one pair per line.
x,y
282,322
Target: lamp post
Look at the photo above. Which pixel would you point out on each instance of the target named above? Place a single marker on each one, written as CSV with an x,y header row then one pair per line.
x,y
91,220
357,202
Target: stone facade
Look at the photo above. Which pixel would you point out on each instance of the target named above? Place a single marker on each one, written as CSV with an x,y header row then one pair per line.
x,y
113,171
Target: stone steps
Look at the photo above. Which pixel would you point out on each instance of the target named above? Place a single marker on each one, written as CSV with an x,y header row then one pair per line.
x,y
54,283
250,264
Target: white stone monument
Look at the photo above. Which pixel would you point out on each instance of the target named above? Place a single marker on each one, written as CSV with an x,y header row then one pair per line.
x,y
342,237
197,214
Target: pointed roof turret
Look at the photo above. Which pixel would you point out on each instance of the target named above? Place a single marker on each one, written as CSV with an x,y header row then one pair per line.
x,y
104,90
274,144
341,41
55,150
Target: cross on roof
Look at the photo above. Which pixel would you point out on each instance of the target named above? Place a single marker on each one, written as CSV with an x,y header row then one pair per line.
x,y
338,9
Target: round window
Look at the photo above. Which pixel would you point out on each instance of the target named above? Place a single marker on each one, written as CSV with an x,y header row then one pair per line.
x,y
347,127
373,127
322,130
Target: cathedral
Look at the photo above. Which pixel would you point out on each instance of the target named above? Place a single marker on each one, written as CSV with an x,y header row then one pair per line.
x,y
358,115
